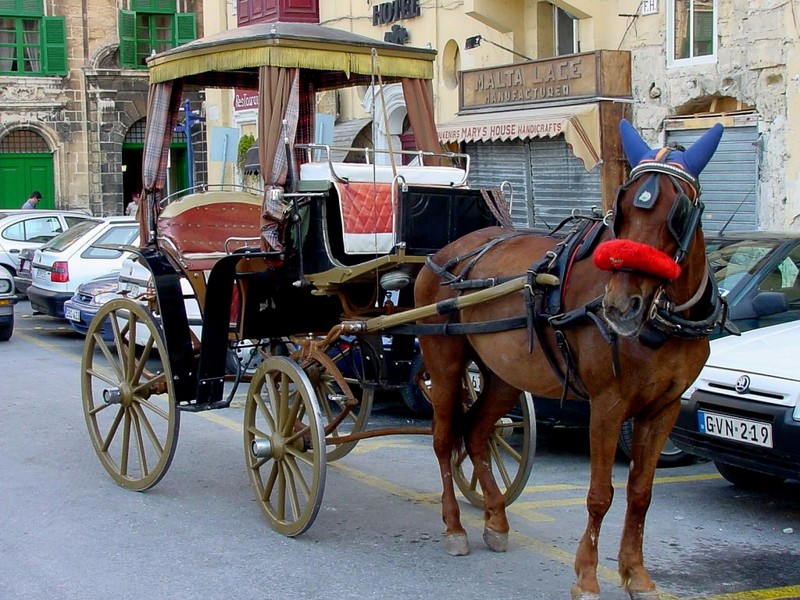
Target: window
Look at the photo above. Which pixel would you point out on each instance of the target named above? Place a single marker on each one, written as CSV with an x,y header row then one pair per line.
x,y
31,43
691,35
39,229
153,26
566,38
116,235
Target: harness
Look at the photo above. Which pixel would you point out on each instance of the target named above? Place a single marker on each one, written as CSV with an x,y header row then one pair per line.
x,y
543,303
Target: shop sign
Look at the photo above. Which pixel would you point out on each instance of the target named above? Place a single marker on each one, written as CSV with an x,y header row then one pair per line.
x,y
561,78
389,12
245,100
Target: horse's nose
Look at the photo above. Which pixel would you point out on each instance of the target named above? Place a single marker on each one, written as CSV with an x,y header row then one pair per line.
x,y
623,312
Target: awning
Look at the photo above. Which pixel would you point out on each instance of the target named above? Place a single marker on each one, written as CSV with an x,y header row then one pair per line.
x,y
579,123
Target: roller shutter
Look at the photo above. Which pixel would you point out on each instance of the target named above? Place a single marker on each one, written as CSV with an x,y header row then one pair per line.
x,y
730,181
492,163
560,183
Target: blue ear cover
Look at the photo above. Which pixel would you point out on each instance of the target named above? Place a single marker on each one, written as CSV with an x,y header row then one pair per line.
x,y
633,145
693,160
696,158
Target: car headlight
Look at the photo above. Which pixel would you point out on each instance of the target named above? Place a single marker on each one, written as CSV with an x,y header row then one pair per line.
x,y
796,413
103,298
5,286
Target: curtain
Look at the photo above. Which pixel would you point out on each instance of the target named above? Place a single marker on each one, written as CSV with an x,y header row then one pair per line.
x,y
7,36
163,104
32,39
418,94
278,99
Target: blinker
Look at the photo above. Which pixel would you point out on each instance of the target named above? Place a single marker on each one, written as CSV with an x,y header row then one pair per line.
x,y
647,194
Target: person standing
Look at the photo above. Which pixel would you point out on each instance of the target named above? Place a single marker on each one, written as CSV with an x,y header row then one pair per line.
x,y
133,206
32,200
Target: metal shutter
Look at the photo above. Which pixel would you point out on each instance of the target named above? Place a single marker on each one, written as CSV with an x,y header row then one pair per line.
x,y
560,183
730,181
491,163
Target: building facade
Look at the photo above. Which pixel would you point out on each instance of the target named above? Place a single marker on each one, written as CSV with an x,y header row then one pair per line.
x,y
73,97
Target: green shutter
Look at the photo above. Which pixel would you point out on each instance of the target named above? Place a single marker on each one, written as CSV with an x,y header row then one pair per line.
x,y
22,8
153,6
127,38
55,45
185,28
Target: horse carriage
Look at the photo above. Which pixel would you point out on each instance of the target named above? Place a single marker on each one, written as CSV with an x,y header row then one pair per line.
x,y
315,271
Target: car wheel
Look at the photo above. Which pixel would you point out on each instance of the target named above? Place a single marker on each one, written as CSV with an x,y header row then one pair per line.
x,y
671,455
7,330
747,478
413,396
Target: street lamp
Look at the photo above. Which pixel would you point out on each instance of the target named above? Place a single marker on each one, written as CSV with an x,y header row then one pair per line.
x,y
475,41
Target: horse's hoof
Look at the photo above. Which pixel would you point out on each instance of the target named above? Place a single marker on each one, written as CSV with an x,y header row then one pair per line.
x,y
648,595
585,596
456,544
497,542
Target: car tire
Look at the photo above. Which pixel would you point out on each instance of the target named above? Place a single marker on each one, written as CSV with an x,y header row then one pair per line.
x,y
7,330
413,397
671,455
747,478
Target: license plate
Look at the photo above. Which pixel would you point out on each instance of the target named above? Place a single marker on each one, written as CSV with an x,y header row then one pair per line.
x,y
729,427
475,380
73,314
40,273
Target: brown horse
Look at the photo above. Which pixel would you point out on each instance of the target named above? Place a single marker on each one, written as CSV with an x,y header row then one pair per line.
x,y
628,329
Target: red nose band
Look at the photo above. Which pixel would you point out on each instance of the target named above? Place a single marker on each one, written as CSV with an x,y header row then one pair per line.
x,y
626,255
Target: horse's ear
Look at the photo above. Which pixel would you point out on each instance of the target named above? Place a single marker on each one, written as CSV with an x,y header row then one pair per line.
x,y
696,158
632,143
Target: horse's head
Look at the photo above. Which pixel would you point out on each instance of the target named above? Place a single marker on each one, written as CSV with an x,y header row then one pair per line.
x,y
654,227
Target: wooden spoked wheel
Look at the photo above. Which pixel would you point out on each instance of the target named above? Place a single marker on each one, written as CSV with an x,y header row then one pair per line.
x,y
284,445
511,450
325,378
128,397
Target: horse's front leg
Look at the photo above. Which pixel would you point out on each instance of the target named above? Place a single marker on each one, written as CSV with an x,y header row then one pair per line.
x,y
603,433
649,436
496,400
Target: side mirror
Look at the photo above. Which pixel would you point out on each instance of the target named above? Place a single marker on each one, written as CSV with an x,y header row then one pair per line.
x,y
770,303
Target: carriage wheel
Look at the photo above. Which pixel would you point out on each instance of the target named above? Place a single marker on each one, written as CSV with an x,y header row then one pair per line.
x,y
512,446
128,398
284,445
333,402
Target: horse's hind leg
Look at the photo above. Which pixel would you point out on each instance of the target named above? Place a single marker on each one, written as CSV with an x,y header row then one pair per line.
x,y
603,433
496,399
445,361
649,436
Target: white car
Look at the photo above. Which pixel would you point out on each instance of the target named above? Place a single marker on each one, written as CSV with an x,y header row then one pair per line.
x,y
77,256
743,411
21,229
135,281
7,300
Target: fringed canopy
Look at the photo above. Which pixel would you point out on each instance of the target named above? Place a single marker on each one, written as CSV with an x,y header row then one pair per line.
x,y
290,45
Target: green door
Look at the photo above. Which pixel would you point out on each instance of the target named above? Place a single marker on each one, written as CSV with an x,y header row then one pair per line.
x,y
22,173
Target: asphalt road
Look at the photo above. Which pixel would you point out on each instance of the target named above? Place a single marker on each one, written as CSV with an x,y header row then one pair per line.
x,y
69,532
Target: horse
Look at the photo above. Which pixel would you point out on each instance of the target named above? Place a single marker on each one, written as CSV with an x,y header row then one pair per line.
x,y
626,326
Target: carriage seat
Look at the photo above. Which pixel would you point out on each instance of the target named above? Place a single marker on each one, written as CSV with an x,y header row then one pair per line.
x,y
201,228
368,219
359,172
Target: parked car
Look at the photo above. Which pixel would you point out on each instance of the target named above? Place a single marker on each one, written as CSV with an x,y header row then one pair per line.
x,y
7,300
87,300
21,229
743,411
24,278
77,256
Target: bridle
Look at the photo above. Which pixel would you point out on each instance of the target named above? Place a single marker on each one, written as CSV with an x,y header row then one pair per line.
x,y
686,213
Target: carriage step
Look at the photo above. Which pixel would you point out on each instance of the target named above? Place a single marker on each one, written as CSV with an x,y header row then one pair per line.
x,y
200,407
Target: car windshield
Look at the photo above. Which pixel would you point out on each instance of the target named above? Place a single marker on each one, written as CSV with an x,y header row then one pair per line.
x,y
65,240
733,260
